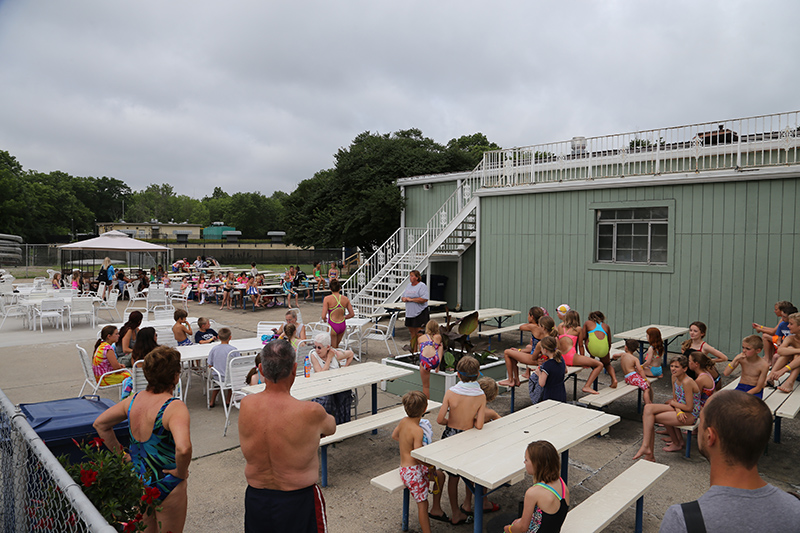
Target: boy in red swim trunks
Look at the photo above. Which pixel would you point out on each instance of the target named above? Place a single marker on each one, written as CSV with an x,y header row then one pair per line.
x,y
415,475
632,369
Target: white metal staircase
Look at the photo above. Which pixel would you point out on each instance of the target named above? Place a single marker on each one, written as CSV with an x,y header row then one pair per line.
x,y
449,232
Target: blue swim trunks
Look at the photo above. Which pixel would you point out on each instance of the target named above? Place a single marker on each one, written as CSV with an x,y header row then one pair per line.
x,y
656,370
745,388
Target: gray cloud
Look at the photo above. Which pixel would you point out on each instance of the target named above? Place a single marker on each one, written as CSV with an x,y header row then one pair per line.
x,y
254,95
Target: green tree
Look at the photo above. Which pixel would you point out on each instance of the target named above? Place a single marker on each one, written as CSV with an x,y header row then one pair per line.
x,y
358,203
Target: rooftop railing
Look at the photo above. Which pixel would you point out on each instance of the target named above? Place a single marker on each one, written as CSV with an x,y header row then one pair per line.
x,y
761,141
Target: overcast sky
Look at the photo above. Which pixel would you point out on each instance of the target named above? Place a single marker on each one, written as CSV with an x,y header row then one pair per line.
x,y
258,95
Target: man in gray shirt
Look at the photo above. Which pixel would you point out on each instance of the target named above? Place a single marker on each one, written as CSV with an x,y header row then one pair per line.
x,y
733,433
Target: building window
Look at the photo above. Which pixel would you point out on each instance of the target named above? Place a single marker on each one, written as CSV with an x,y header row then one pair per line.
x,y
632,236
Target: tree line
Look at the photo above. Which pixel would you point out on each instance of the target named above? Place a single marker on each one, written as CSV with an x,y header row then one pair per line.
x,y
355,203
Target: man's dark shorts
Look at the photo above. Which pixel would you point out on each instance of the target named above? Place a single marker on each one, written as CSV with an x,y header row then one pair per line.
x,y
275,511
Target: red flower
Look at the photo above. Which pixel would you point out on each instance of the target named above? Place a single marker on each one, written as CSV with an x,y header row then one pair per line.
x,y
97,442
88,477
129,526
150,494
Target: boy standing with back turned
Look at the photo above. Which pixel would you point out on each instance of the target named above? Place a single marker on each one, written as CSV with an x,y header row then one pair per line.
x,y
462,408
415,475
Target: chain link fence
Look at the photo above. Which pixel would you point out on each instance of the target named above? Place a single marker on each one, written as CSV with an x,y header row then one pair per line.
x,y
36,493
36,259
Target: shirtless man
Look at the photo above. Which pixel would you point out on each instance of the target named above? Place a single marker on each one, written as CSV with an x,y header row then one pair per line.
x,y
280,437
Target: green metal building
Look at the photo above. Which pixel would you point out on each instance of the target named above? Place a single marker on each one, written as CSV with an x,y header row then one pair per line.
x,y
664,226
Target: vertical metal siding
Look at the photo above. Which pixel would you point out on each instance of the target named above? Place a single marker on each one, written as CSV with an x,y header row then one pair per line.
x,y
735,254
421,204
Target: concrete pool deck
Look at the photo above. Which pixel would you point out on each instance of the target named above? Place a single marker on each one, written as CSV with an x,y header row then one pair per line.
x,y
44,366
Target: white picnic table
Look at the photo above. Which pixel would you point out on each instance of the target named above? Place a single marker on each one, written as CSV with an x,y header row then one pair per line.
x,y
668,334
401,306
199,352
781,404
492,313
493,456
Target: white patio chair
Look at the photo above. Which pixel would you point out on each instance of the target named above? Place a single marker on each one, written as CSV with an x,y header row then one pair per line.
x,y
51,273
88,373
378,332
166,336
237,368
183,298
303,349
14,311
140,382
265,328
354,338
163,312
128,310
317,327
156,296
67,293
110,303
133,295
82,307
51,309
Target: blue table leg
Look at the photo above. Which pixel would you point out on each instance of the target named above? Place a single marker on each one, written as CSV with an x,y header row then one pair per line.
x,y
639,402
513,391
639,514
564,465
323,462
688,443
374,403
405,509
777,436
477,507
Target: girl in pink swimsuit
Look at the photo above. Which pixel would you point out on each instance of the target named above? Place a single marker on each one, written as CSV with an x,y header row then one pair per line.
x,y
430,354
335,305
567,342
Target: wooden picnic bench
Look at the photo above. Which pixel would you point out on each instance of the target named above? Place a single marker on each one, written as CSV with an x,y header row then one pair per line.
x,y
781,404
360,426
602,507
498,331
608,395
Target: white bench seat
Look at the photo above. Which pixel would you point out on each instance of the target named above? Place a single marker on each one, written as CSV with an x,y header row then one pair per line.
x,y
602,507
572,372
608,395
359,426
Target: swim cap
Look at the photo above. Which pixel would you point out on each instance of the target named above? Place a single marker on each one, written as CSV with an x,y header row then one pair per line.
x,y
563,308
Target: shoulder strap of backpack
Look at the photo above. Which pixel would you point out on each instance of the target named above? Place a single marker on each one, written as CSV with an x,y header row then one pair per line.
x,y
693,517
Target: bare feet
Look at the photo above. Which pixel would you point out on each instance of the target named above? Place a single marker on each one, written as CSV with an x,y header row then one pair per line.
x,y
644,452
672,448
783,388
661,431
526,374
668,440
614,384
590,390
506,383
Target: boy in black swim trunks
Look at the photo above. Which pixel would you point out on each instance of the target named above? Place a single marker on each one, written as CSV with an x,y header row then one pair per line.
x,y
463,408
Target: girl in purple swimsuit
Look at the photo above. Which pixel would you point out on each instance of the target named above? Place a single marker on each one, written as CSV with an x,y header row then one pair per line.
x,y
431,350
333,310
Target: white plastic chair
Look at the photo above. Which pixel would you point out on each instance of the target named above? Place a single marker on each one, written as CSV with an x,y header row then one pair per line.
x,y
317,327
140,382
299,314
166,336
156,296
265,328
134,296
303,349
163,312
127,313
378,332
82,307
88,373
14,311
51,273
183,298
50,308
237,369
110,303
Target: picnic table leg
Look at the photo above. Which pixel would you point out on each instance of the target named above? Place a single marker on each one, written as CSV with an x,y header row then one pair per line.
x,y
639,514
477,508
564,465
777,436
405,509
688,442
323,463
374,403
639,402
513,391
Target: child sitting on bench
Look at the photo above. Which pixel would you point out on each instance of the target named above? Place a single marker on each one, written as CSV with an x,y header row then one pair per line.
x,y
633,372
